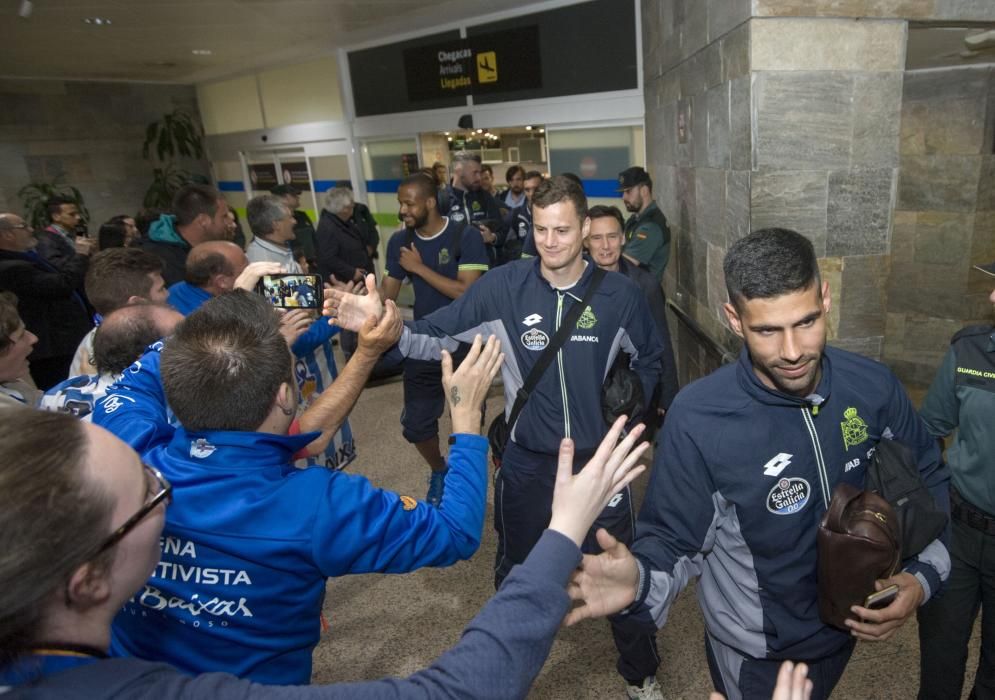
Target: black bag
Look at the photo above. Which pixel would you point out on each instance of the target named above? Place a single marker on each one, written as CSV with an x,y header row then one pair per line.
x,y
622,392
500,428
894,474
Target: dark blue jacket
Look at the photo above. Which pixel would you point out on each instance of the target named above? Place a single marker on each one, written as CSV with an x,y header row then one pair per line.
x,y
515,303
743,476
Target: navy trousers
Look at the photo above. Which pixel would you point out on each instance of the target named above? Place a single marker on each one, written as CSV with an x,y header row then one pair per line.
x,y
523,499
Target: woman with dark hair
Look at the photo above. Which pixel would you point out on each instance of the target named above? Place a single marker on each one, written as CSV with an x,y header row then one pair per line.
x,y
80,521
118,232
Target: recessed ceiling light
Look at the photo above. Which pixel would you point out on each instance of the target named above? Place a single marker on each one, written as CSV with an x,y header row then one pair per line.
x,y
201,52
97,21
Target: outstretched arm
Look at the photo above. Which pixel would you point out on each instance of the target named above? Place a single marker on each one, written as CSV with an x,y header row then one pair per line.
x,y
334,404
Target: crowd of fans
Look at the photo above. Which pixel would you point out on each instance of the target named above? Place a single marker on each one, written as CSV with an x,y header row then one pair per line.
x,y
172,444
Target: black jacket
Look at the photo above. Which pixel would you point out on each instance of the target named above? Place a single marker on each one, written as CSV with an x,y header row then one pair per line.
x,y
341,248
48,301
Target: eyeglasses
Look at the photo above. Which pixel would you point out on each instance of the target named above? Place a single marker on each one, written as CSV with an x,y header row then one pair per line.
x,y
163,492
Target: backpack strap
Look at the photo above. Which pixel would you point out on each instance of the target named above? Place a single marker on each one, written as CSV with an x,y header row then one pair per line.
x,y
559,338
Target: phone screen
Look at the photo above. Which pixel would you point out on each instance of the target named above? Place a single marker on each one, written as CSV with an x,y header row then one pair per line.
x,y
290,291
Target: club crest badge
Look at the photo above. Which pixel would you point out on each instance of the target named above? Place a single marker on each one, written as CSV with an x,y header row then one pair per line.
x,y
854,428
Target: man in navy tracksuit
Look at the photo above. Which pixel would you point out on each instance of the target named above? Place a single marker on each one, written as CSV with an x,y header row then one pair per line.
x,y
522,303
442,258
467,202
749,459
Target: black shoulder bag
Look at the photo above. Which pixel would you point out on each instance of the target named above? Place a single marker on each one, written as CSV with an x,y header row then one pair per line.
x,y
500,429
894,474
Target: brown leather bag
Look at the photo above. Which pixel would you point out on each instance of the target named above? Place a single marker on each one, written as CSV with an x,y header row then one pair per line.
x,y
859,542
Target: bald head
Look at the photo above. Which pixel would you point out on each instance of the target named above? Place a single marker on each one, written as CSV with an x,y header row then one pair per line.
x,y
124,334
214,265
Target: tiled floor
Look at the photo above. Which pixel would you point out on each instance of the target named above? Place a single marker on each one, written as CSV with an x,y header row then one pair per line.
x,y
393,625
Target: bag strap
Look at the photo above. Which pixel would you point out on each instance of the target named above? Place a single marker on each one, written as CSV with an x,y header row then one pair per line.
x,y
546,358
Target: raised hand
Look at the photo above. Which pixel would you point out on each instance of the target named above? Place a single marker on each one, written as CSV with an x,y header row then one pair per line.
x,y
605,583
377,335
350,311
253,272
294,323
579,498
467,387
410,259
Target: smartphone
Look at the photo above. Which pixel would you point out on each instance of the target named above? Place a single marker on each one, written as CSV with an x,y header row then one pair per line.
x,y
882,598
291,291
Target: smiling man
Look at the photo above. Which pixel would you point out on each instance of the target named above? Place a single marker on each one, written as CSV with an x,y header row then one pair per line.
x,y
791,416
604,243
523,303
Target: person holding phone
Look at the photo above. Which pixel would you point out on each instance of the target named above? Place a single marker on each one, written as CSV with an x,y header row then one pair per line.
x,y
250,541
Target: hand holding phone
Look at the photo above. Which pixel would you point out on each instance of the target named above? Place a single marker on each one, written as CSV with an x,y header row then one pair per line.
x,y
292,291
881,599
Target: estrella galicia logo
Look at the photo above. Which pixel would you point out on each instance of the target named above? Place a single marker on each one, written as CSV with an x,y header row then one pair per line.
x,y
535,339
457,216
788,496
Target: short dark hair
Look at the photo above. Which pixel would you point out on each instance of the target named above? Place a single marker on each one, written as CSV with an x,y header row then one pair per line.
x,y
224,364
560,188
118,273
768,263
112,233
600,211
488,168
10,320
423,182
123,336
54,204
201,268
190,201
512,171
533,174
574,177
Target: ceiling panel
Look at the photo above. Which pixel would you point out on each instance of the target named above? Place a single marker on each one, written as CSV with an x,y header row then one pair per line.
x,y
154,40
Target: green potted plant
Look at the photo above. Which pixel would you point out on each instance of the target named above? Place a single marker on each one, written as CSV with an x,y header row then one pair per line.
x,y
177,134
34,195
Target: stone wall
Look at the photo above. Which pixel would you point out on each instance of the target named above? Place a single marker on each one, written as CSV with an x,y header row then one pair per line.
x,y
698,139
944,218
90,133
790,113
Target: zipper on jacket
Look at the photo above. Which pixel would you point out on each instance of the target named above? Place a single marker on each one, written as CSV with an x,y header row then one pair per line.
x,y
559,364
820,462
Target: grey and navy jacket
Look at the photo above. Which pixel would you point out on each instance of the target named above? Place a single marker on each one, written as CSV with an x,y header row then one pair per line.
x,y
743,476
515,303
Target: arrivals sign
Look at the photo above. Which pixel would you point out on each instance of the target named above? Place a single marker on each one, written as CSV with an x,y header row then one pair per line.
x,y
487,63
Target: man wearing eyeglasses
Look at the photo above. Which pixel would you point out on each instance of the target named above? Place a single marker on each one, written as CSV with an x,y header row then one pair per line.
x,y
49,301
